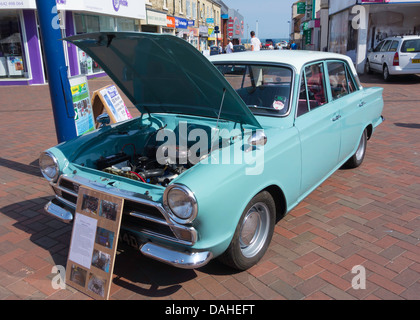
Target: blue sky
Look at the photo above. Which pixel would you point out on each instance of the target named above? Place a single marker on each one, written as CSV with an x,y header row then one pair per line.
x,y
272,16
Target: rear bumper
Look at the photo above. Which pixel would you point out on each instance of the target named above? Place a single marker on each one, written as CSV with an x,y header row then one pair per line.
x,y
184,259
403,71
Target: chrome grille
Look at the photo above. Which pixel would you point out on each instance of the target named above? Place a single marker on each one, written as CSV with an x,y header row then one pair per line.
x,y
137,216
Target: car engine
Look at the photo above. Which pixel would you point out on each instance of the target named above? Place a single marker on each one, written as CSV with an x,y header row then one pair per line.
x,y
156,166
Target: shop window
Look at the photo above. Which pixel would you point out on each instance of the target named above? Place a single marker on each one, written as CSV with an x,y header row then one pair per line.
x,y
12,58
124,24
86,24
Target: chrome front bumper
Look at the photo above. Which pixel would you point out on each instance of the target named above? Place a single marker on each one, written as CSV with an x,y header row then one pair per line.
x,y
184,260
63,207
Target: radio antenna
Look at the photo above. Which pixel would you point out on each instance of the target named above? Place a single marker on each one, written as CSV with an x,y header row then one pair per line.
x,y
221,106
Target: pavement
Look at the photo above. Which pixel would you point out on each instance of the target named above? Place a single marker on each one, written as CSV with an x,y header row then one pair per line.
x,y
368,217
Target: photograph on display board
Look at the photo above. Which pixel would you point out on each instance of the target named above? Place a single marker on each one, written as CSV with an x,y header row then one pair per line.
x,y
104,237
78,275
101,260
108,210
90,204
97,285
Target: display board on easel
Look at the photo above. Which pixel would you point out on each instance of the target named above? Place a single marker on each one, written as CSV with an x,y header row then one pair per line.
x,y
94,240
109,100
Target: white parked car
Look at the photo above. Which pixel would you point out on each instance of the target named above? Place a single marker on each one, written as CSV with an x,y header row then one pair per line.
x,y
398,55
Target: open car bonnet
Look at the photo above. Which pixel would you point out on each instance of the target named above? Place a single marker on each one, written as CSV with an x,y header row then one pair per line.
x,y
164,74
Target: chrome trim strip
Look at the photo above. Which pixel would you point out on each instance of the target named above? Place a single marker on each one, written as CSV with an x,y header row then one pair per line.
x,y
174,258
192,231
66,202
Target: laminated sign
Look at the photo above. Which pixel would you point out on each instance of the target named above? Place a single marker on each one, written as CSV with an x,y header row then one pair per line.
x,y
81,104
109,100
93,246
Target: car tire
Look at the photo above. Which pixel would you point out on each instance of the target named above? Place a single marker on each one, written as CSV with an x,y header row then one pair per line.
x,y
368,68
253,233
358,157
385,73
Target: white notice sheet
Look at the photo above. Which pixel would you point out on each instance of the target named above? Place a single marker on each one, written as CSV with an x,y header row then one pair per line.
x,y
83,239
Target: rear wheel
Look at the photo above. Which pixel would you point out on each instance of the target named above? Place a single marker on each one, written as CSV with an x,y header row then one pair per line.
x,y
386,74
357,159
253,233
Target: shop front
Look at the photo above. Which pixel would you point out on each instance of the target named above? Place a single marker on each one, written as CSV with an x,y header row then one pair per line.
x,y
21,53
155,22
181,26
356,26
203,38
83,16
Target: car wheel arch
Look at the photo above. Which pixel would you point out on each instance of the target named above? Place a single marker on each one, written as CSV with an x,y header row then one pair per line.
x,y
369,131
279,199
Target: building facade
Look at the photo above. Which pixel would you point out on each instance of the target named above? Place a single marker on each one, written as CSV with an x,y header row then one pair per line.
x,y
21,53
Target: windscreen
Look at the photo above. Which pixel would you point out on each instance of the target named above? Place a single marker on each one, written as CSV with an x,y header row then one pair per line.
x,y
264,89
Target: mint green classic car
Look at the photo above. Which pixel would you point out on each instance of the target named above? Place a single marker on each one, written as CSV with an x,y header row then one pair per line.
x,y
225,146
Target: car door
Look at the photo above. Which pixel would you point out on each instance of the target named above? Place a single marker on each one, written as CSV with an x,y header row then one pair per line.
x,y
383,56
374,57
317,122
347,98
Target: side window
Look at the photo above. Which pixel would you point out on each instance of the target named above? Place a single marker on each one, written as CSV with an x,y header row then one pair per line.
x,y
315,84
386,46
378,47
312,89
350,81
303,106
394,46
338,79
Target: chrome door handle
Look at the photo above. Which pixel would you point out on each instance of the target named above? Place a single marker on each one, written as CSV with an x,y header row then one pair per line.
x,y
337,117
361,104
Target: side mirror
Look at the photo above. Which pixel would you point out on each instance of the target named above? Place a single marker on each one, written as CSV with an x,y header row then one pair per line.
x,y
258,138
103,120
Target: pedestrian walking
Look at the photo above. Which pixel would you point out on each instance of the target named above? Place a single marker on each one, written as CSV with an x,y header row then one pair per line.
x,y
229,47
255,42
293,46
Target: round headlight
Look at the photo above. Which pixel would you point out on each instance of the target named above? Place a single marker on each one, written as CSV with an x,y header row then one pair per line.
x,y
181,202
49,166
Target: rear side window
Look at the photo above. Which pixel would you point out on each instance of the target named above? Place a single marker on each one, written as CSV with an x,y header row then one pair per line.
x,y
411,46
386,46
394,46
341,82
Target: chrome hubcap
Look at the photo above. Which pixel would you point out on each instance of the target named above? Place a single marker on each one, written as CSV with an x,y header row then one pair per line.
x,y
254,229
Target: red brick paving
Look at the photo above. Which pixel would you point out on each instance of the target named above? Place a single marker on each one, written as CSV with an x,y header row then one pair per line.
x,y
369,216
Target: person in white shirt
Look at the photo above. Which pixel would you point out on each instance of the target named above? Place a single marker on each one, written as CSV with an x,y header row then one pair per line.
x,y
255,42
229,47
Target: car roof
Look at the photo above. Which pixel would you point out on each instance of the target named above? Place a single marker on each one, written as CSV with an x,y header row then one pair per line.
x,y
409,37
295,58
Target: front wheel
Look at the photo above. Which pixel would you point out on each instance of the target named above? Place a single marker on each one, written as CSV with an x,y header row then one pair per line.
x,y
357,159
367,67
253,233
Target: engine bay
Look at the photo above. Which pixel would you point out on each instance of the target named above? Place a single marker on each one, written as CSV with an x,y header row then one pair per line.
x,y
146,168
